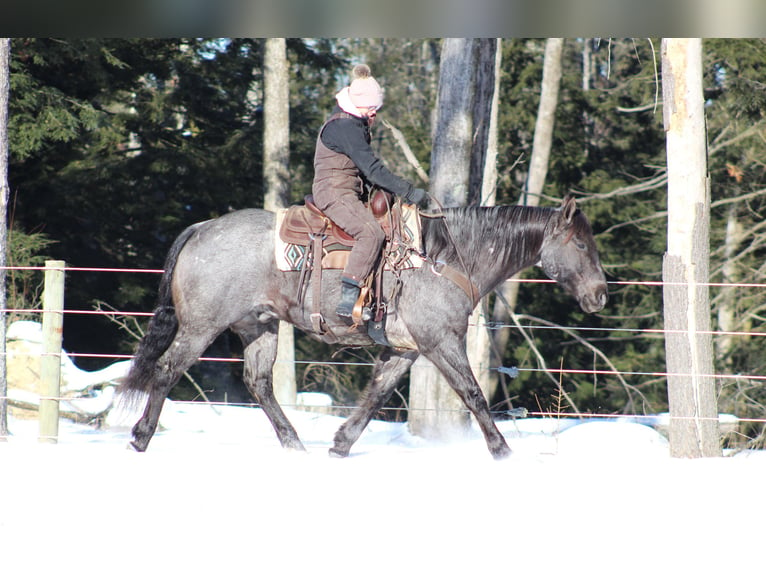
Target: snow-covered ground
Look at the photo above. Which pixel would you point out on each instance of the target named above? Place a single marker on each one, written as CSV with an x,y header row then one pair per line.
x,y
215,493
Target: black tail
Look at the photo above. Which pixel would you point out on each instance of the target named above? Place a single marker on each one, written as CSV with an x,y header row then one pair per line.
x,y
161,331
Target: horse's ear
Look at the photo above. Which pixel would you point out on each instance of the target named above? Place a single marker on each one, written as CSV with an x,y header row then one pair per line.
x,y
568,209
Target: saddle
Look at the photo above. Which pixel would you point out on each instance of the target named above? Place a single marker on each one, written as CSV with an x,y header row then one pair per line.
x,y
309,241
302,223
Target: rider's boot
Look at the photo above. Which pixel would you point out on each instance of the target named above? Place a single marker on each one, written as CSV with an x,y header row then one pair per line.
x,y
349,293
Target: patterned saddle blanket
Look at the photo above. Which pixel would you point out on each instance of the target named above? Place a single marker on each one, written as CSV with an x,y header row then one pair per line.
x,y
299,225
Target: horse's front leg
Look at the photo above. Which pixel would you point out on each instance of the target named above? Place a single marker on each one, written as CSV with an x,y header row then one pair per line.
x,y
451,360
389,369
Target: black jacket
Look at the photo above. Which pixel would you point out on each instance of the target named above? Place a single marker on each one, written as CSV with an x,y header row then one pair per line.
x,y
350,136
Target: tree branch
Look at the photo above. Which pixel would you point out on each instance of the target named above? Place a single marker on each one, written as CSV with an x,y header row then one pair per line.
x,y
628,388
752,130
408,154
654,182
541,362
644,108
745,197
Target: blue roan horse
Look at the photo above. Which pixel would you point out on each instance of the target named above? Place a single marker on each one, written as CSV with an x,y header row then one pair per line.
x,y
221,274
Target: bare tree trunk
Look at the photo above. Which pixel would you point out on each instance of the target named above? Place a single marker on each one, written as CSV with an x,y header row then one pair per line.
x,y
694,430
538,169
462,150
546,114
5,72
276,124
478,338
435,410
727,314
489,177
276,161
483,169
587,56
451,152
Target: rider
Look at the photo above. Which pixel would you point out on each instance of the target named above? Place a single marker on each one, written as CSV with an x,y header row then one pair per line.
x,y
342,162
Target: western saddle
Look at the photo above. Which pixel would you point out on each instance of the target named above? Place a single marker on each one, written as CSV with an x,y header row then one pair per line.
x,y
326,246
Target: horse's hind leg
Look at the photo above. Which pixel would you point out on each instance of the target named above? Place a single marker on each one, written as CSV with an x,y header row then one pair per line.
x,y
182,354
260,353
389,369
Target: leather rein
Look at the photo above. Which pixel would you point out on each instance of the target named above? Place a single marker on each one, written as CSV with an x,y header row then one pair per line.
x,y
442,269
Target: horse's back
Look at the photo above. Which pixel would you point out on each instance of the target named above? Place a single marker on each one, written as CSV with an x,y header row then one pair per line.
x,y
242,225
244,229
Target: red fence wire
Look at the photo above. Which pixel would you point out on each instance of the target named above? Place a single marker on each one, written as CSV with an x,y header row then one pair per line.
x,y
560,371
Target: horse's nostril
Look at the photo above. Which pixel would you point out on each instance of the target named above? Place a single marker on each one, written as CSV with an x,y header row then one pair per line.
x,y
598,300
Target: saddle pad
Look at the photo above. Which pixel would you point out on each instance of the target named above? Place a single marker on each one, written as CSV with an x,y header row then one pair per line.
x,y
290,253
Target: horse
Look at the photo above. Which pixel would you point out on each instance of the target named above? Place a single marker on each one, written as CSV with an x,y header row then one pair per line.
x,y
221,274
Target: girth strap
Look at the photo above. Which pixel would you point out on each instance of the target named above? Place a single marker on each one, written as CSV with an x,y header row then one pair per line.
x,y
317,321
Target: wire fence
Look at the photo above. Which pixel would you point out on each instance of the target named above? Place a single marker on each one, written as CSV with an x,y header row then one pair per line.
x,y
493,326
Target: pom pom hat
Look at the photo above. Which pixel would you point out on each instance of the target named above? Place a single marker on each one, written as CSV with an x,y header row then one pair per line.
x,y
364,92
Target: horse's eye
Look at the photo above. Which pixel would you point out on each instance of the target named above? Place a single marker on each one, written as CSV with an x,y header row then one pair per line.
x,y
579,244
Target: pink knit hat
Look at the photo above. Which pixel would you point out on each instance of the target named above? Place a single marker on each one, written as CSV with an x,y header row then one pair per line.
x,y
364,91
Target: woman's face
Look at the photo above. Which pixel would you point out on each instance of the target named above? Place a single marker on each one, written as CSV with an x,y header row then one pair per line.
x,y
370,113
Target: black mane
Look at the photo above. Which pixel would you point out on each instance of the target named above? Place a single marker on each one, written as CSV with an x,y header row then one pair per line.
x,y
508,234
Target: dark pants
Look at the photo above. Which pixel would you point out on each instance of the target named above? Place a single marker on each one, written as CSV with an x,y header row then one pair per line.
x,y
346,209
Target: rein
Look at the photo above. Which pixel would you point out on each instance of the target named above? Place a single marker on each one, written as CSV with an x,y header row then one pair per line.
x,y
458,278
439,268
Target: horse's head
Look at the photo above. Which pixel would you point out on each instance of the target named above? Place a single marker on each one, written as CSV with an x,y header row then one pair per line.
x,y
569,257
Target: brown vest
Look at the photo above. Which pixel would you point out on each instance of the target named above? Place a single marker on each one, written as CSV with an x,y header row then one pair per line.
x,y
333,172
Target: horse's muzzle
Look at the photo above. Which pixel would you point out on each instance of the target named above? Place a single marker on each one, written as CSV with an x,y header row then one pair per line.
x,y
595,301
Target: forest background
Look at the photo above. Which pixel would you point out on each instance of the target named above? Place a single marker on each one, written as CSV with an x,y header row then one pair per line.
x,y
118,144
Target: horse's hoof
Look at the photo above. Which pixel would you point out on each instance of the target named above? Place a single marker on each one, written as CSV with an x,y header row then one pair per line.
x,y
502,453
134,447
337,453
291,443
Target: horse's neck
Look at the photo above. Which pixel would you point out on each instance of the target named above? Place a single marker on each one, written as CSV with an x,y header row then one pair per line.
x,y
494,245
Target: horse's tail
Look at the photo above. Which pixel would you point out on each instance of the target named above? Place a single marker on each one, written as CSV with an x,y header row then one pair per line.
x,y
161,331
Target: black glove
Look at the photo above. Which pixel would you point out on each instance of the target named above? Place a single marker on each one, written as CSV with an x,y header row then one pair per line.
x,y
415,195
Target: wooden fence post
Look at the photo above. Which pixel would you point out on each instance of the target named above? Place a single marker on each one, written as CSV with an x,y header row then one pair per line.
x,y
50,362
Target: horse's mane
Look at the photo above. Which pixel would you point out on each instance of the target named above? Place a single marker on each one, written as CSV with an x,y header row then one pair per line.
x,y
506,234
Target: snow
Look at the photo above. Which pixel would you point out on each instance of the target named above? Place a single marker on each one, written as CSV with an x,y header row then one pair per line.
x,y
216,493
75,379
